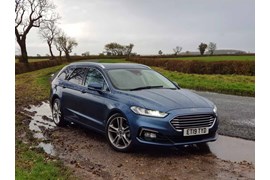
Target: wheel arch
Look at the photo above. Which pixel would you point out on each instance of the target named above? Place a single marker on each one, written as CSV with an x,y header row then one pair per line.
x,y
55,96
115,111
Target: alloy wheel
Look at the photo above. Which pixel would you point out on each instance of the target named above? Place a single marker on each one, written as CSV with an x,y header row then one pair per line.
x,y
56,112
119,132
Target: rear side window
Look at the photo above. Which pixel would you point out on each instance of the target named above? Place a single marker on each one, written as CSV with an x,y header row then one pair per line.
x,y
64,74
77,76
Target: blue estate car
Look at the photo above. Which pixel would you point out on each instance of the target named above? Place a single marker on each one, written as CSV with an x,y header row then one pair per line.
x,y
132,105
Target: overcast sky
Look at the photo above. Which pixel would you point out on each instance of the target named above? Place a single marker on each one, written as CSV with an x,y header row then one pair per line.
x,y
153,25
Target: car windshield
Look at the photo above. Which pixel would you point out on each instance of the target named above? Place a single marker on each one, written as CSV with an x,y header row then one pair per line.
x,y
137,79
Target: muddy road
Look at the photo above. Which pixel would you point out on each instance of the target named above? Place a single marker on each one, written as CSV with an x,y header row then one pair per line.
x,y
89,156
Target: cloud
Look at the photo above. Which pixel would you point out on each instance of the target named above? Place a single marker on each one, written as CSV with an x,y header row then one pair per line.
x,y
79,30
156,24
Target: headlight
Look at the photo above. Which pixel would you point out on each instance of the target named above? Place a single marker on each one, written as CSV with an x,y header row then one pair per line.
x,y
147,112
215,109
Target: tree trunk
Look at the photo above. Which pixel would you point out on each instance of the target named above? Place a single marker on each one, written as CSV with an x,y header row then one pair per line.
x,y
60,54
24,57
50,48
67,55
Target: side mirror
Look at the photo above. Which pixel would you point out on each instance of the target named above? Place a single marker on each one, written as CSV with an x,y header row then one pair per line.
x,y
176,84
95,86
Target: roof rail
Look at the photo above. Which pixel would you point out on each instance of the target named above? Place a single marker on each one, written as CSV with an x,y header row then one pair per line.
x,y
145,66
89,63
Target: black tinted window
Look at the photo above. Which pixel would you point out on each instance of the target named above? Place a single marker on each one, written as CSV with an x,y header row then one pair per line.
x,y
77,76
64,74
95,76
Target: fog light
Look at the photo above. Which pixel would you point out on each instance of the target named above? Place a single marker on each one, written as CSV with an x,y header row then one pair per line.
x,y
150,135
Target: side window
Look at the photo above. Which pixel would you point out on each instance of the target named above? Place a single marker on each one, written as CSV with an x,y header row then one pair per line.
x,y
95,76
77,76
64,74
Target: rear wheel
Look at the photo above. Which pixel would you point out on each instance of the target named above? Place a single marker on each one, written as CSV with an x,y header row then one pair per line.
x,y
118,133
57,115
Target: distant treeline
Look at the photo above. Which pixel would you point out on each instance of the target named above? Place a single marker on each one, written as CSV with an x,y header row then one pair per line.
x,y
142,56
192,55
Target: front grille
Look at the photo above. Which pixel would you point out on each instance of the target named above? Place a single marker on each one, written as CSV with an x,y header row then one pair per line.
x,y
193,121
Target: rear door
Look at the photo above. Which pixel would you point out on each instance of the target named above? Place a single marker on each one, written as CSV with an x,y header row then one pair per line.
x,y
72,94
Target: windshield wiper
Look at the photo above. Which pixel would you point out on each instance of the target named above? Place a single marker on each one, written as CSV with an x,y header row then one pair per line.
x,y
145,87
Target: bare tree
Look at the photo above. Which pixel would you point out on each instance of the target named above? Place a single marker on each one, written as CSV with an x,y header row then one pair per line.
x,y
58,48
128,49
177,50
57,45
66,44
48,32
212,47
29,14
160,52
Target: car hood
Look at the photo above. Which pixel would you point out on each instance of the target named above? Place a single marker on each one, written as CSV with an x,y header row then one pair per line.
x,y
167,99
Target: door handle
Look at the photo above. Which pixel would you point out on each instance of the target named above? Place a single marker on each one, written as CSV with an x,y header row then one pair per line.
x,y
64,86
83,91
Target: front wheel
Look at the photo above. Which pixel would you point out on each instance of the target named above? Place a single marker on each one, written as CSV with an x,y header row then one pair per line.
x,y
118,133
57,115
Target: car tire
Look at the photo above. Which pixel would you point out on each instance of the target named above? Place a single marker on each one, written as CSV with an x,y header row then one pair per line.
x,y
118,133
57,115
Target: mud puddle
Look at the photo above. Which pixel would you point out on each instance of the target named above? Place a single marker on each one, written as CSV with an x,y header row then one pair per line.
x,y
41,120
233,149
225,148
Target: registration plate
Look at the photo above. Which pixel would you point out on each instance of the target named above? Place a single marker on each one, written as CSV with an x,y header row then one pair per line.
x,y
196,131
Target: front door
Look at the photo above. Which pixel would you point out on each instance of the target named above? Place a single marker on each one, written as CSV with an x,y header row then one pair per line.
x,y
94,101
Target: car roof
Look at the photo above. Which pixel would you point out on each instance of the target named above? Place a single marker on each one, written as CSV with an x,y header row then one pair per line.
x,y
112,65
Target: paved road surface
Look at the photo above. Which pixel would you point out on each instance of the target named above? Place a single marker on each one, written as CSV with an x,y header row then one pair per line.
x,y
236,114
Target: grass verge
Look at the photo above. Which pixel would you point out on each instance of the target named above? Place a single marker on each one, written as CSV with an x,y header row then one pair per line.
x,y
31,163
227,84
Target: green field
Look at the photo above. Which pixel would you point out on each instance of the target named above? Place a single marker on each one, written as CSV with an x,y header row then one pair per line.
x,y
227,84
216,58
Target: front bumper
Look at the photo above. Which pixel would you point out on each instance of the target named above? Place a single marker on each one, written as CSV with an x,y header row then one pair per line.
x,y
166,135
